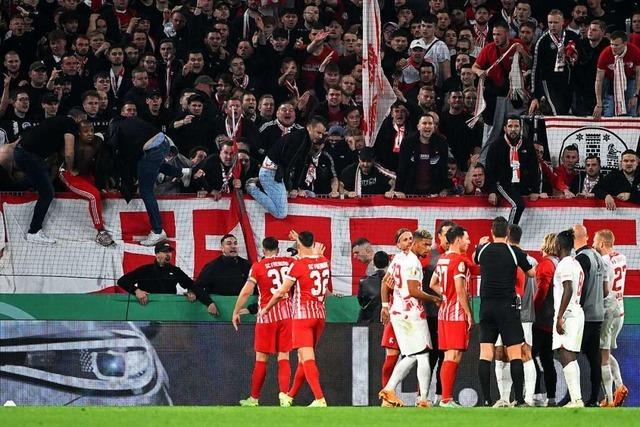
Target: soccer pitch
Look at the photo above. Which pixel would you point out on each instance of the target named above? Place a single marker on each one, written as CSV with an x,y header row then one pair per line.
x,y
336,416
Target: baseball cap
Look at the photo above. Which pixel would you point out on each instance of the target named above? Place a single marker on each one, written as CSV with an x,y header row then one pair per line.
x,y
336,130
49,98
367,154
154,93
418,43
164,247
38,65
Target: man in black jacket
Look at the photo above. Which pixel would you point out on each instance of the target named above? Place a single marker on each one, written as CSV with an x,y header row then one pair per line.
x,y
422,167
283,162
622,184
160,277
225,275
511,169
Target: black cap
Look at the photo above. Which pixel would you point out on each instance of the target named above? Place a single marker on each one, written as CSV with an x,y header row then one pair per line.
x,y
154,93
38,65
367,154
49,98
163,247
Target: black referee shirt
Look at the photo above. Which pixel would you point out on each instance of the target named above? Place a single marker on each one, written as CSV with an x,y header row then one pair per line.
x,y
498,263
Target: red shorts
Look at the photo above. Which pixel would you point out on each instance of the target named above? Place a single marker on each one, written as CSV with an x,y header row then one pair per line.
x,y
389,338
453,335
274,337
306,332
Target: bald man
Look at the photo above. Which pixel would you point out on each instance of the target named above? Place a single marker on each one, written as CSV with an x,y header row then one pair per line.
x,y
592,301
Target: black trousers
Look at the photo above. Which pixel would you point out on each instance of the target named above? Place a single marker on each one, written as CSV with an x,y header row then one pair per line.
x,y
542,349
591,349
513,195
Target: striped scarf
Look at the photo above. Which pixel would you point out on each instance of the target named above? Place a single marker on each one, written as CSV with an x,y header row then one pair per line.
x,y
619,84
560,62
514,159
480,102
516,79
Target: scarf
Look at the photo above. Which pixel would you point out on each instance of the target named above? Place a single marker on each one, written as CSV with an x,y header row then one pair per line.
x,y
226,179
514,159
619,84
516,79
292,88
285,129
116,81
311,170
233,132
560,62
399,137
245,24
481,35
480,102
358,184
243,82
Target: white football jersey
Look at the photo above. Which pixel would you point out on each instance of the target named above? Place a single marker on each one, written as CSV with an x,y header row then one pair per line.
x,y
403,268
618,264
568,269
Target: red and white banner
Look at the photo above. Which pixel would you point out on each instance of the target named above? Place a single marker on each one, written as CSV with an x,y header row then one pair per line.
x,y
607,138
76,264
377,93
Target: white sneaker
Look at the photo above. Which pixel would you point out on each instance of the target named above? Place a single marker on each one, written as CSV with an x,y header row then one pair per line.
x,y
153,238
318,403
577,404
502,404
104,238
186,176
40,238
285,399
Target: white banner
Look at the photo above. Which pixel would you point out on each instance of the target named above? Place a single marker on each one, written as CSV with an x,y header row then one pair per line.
x,y
76,264
607,138
377,93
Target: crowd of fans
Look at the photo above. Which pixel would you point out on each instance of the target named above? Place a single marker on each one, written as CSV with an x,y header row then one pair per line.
x,y
267,96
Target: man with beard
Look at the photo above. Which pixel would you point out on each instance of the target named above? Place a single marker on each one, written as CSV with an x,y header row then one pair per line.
x,y
190,129
621,184
235,125
214,176
273,130
589,50
366,177
511,168
390,137
463,141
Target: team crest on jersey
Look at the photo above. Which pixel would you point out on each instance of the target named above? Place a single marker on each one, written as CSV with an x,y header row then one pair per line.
x,y
462,267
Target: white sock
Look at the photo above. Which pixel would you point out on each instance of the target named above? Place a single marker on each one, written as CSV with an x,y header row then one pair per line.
x,y
529,380
607,382
400,371
424,375
507,382
572,377
498,368
615,371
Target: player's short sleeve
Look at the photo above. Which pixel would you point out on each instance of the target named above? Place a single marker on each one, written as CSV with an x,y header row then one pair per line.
x,y
523,261
412,270
254,272
461,267
296,270
565,270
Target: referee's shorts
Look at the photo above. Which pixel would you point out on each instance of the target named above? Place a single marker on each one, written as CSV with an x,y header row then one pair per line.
x,y
500,316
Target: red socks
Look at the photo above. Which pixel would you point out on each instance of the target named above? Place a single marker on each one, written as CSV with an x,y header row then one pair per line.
x,y
284,375
298,380
257,378
448,378
313,378
387,368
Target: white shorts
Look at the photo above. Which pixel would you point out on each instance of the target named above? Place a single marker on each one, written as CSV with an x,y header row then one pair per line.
x,y
527,327
573,328
611,328
412,335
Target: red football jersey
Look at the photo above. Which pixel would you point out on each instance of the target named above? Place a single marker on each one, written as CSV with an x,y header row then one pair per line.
x,y
268,275
313,281
450,266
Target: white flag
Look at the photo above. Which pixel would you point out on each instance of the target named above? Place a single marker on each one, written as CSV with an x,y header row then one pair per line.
x,y
377,93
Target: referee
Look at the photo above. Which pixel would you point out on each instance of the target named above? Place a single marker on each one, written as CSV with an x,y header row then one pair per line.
x,y
500,306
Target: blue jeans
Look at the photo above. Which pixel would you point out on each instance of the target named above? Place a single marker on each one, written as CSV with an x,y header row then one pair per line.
x,y
608,106
37,172
148,168
274,197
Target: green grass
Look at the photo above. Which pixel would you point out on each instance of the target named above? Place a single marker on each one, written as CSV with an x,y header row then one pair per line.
x,y
336,416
